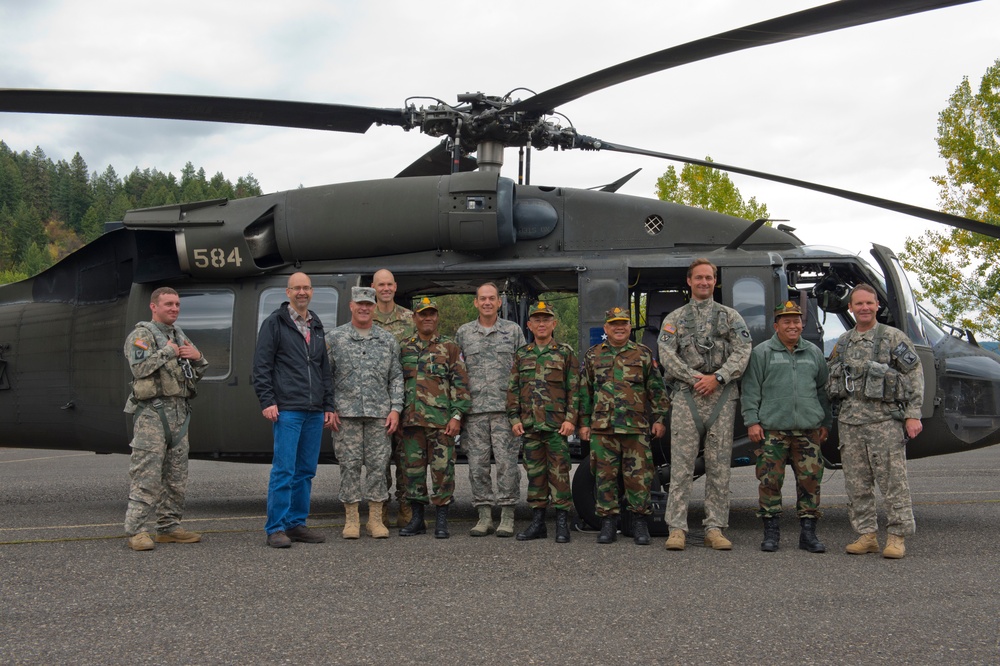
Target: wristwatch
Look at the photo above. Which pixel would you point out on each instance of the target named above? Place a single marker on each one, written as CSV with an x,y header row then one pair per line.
x,y
719,378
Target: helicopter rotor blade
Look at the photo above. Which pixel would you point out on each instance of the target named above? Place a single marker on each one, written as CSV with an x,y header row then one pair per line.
x,y
814,21
956,221
245,111
437,162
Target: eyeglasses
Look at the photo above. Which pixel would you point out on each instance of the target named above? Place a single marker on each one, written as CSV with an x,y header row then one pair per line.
x,y
297,289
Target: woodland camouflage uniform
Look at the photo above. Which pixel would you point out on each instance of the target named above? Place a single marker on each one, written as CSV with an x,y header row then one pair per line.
x,y
158,469
621,396
542,393
436,390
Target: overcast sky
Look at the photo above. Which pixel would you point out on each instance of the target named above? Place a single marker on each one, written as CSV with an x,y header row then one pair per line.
x,y
855,109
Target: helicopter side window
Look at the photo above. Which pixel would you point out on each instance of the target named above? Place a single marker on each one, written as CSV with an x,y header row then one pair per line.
x,y
207,318
750,300
324,304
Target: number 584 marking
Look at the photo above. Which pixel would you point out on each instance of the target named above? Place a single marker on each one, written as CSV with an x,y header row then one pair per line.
x,y
216,257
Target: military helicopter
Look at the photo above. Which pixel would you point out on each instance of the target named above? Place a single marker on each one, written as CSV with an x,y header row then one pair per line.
x,y
445,224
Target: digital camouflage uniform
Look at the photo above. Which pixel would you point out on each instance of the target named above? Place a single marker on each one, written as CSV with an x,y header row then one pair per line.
x,y
878,379
543,392
367,385
621,396
158,469
399,322
702,338
489,356
785,393
436,390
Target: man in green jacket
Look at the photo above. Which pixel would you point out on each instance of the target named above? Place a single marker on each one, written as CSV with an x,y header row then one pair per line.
x,y
787,412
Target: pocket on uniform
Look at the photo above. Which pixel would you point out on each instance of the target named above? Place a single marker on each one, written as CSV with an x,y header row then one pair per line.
x,y
875,381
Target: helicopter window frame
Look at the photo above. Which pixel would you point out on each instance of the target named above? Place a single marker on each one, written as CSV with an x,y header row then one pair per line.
x,y
749,291
206,317
325,302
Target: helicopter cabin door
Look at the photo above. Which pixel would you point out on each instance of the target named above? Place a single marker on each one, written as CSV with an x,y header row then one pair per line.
x,y
903,307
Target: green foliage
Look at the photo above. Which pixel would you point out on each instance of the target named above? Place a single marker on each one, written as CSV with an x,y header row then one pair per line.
x,y
959,271
711,189
48,209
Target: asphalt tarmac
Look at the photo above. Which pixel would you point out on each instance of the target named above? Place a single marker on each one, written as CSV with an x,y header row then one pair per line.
x,y
71,592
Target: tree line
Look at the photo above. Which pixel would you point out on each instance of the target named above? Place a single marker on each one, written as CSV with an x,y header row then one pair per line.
x,y
51,208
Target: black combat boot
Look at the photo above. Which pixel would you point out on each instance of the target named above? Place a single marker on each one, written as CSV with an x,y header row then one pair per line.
x,y
562,526
640,530
807,538
608,530
772,534
441,522
536,530
416,524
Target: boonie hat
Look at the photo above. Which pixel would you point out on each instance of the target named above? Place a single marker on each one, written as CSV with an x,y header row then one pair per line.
x,y
787,308
616,314
424,304
362,295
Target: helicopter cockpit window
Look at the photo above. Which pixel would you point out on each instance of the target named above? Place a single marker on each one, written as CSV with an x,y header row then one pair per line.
x,y
750,300
324,304
207,318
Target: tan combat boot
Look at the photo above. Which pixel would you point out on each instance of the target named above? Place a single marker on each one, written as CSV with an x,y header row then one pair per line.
x,y
179,535
352,522
676,540
140,541
506,526
405,514
715,540
485,524
376,528
894,548
866,543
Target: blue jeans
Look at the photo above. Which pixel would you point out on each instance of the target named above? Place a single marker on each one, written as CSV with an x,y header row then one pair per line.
x,y
297,437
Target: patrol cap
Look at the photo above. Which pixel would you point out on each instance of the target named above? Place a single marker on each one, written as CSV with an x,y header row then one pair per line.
x,y
616,314
787,308
362,295
424,304
541,307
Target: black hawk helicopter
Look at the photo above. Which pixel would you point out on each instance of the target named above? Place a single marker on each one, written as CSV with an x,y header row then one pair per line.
x,y
445,224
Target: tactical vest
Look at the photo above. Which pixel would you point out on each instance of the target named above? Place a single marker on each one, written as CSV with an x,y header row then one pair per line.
x,y
705,351
169,380
872,379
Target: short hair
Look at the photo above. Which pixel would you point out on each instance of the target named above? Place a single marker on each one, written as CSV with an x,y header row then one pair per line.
x,y
863,286
701,261
155,296
488,284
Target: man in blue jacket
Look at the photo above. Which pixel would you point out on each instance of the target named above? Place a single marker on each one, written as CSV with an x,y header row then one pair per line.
x,y
291,375
787,412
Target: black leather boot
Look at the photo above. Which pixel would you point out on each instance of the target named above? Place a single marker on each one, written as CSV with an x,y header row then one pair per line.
x,y
608,530
772,534
807,538
441,522
640,530
416,524
562,526
536,530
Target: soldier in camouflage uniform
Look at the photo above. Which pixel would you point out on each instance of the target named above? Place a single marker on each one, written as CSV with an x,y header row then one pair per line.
x,y
542,404
622,400
165,366
788,414
704,347
488,344
399,321
437,397
368,398
876,375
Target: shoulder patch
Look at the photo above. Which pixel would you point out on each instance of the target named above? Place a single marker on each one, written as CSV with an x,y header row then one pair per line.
x,y
669,329
745,333
141,344
905,356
